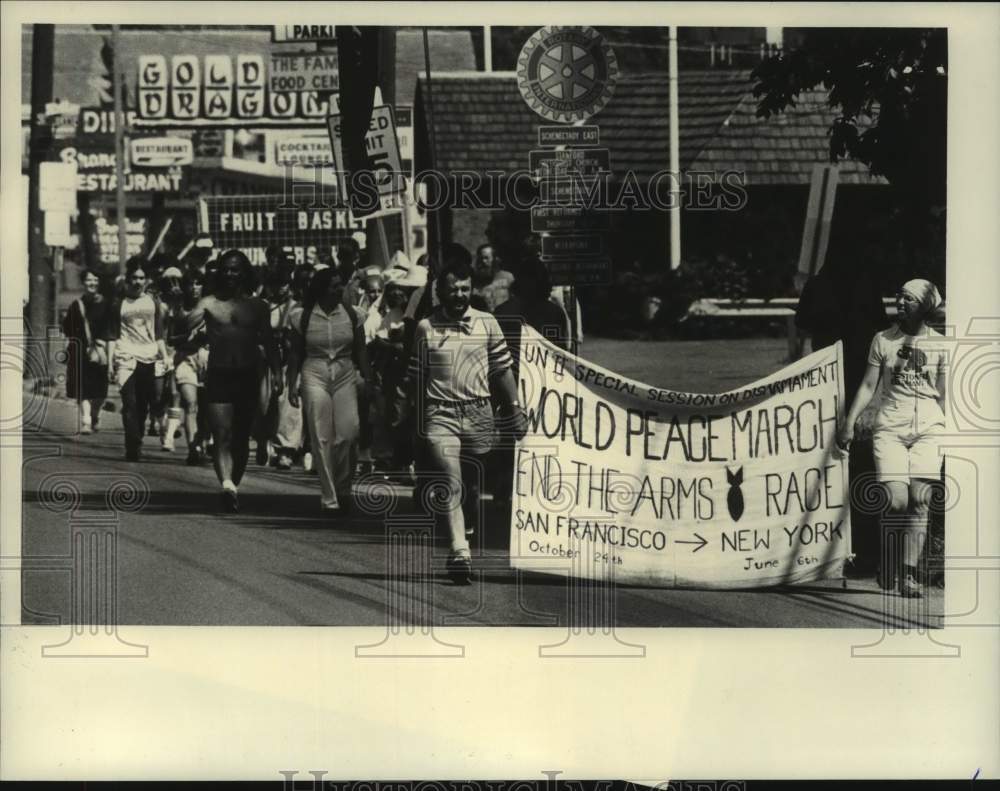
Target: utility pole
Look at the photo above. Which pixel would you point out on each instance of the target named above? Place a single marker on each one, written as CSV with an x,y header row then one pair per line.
x,y
40,275
117,85
675,158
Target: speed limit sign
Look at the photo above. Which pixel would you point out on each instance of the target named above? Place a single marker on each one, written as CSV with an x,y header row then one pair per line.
x,y
382,148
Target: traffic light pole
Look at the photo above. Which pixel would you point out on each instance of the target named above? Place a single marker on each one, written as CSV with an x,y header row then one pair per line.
x,y
40,275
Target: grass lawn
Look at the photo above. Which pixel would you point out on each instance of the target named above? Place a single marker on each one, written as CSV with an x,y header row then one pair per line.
x,y
710,366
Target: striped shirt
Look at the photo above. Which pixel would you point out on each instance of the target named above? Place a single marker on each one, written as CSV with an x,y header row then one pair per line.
x,y
458,358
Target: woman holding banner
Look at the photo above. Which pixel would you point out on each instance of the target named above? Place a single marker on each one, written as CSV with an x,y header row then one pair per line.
x,y
907,367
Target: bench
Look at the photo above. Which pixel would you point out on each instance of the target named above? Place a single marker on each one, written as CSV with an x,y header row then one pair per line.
x,y
779,307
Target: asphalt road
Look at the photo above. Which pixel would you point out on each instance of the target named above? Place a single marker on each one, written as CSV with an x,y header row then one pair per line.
x,y
177,561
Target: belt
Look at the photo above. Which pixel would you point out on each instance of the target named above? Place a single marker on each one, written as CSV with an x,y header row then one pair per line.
x,y
472,402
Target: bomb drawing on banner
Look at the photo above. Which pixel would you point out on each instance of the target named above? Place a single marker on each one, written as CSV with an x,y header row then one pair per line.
x,y
734,500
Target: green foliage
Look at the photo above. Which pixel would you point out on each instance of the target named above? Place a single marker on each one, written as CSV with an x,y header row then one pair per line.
x,y
890,85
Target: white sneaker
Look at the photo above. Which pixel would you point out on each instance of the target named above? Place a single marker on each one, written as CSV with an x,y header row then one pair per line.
x,y
85,428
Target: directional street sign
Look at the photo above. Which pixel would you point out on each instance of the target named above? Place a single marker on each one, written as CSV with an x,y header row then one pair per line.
x,y
562,219
571,192
569,135
575,162
582,272
572,246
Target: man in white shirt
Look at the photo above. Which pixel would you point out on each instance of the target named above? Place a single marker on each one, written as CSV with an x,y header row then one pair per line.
x,y
458,354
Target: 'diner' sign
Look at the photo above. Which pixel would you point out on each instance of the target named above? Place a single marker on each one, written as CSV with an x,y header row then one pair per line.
x,y
616,479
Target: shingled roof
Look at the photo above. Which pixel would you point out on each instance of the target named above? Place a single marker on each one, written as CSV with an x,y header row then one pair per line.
x,y
481,123
781,149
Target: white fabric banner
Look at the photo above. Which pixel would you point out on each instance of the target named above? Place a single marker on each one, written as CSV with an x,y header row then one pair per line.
x,y
620,480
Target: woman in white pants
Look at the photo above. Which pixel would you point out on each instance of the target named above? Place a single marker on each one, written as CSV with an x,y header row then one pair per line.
x,y
907,364
327,343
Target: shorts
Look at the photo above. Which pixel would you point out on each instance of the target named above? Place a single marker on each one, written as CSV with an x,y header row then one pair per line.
x,y
464,425
191,367
232,385
902,456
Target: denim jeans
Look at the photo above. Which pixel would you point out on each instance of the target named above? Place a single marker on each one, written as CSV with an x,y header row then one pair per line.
x,y
137,394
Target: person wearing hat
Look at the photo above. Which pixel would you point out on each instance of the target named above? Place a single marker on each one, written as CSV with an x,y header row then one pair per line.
x,y
907,366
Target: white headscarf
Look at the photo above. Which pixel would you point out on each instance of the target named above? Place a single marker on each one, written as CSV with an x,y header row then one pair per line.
x,y
925,292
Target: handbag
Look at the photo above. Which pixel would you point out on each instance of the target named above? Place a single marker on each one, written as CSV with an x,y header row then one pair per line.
x,y
97,353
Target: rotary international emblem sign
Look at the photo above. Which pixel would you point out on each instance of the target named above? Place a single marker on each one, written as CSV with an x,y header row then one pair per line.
x,y
566,74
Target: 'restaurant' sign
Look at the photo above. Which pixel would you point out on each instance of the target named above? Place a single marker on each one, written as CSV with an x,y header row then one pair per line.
x,y
161,151
92,152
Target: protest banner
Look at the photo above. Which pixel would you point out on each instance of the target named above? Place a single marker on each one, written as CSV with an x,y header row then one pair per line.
x,y
649,486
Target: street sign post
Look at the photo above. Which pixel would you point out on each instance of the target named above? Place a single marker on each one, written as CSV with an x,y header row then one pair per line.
x,y
567,219
579,272
382,149
571,246
570,162
569,135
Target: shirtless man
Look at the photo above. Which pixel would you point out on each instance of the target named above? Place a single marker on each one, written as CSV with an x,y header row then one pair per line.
x,y
237,326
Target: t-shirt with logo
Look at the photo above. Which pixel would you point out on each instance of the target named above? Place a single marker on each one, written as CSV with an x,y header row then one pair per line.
x,y
136,329
910,366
